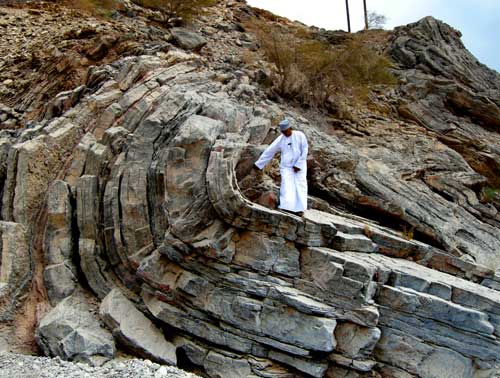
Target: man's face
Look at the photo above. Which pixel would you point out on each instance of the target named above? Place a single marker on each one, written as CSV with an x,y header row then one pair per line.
x,y
287,132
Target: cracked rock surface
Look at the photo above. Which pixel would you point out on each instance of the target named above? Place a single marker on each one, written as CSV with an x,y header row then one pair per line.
x,y
131,220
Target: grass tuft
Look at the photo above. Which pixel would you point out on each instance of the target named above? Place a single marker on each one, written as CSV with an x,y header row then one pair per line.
x,y
315,73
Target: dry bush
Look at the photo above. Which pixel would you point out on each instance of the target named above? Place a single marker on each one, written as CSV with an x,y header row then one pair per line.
x,y
313,72
96,7
249,58
186,10
267,15
408,232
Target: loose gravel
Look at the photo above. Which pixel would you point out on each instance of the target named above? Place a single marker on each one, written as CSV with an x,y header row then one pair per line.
x,y
22,366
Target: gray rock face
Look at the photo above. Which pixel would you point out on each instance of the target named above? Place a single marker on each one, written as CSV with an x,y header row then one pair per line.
x,y
89,246
27,178
134,330
355,341
451,94
219,366
151,201
60,276
248,290
71,332
442,53
15,270
264,255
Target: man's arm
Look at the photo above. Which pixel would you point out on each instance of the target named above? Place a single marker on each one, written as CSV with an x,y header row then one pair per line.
x,y
302,159
268,153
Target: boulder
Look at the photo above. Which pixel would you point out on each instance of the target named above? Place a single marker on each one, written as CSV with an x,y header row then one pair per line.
x,y
133,330
188,39
355,341
71,332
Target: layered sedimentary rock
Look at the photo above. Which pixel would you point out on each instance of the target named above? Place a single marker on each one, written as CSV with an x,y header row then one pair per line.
x,y
136,191
245,290
15,271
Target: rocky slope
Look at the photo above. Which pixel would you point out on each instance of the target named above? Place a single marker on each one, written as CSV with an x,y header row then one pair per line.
x,y
21,366
130,219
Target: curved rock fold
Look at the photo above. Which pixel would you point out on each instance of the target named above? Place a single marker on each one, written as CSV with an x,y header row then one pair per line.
x,y
139,184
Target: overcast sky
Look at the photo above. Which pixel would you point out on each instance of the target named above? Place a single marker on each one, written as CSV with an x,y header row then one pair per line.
x,y
478,20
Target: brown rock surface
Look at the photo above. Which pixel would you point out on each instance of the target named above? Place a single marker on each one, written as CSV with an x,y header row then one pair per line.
x,y
139,177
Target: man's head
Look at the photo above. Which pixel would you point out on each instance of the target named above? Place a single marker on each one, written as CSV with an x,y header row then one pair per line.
x,y
285,127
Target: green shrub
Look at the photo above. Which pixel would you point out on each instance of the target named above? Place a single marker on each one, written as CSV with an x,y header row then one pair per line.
x,y
490,194
313,72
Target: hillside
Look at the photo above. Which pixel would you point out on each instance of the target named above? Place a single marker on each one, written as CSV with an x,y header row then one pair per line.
x,y
131,221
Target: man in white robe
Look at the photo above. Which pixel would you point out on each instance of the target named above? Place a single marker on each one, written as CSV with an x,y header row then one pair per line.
x,y
293,167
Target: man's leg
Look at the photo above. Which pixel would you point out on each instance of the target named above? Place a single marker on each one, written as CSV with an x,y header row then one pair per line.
x,y
301,192
287,190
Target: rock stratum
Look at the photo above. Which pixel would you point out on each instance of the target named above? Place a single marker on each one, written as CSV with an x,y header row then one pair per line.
x,y
130,218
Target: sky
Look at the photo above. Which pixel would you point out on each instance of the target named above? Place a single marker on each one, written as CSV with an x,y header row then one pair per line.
x,y
478,20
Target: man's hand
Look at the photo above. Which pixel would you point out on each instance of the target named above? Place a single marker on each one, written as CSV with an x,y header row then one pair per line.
x,y
295,169
256,172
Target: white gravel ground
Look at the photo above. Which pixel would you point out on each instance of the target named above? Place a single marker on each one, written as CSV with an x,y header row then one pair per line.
x,y
22,366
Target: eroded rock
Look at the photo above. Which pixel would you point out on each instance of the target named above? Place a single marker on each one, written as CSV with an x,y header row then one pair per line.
x,y
15,267
71,332
134,330
156,198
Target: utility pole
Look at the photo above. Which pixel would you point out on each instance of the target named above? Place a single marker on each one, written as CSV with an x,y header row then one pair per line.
x,y
366,15
348,16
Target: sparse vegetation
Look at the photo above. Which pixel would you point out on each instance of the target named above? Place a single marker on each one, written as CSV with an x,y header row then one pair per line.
x,y
184,10
315,73
96,7
490,194
408,232
171,10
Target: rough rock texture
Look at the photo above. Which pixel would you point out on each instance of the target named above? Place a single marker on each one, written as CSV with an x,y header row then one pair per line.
x,y
15,271
71,332
21,366
140,190
187,39
451,94
134,330
60,276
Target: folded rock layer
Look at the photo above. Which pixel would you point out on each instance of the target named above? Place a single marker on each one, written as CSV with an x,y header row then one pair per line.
x,y
138,188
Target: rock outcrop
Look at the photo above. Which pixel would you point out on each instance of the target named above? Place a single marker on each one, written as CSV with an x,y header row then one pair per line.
x,y
136,189
15,269
134,330
72,333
